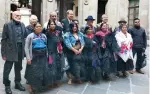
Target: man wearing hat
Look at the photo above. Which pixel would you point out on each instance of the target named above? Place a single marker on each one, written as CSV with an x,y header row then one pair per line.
x,y
89,21
121,22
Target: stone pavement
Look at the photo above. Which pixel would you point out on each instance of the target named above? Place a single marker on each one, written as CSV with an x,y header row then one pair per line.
x,y
134,84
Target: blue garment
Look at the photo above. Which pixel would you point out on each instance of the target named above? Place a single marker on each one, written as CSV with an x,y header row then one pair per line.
x,y
38,41
70,40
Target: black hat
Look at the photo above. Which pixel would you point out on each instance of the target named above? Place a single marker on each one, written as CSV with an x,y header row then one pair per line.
x,y
122,21
89,18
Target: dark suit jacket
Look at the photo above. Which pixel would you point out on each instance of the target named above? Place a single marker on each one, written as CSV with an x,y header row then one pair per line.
x,y
9,41
65,24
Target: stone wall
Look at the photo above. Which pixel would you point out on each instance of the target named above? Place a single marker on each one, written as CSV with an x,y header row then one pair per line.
x,y
5,12
144,14
47,7
116,9
85,8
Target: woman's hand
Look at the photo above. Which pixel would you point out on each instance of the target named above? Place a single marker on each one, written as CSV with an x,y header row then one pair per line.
x,y
29,61
76,52
80,50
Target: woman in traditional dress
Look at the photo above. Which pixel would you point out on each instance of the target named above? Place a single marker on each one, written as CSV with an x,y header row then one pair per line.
x,y
90,53
36,54
108,49
55,54
74,42
125,56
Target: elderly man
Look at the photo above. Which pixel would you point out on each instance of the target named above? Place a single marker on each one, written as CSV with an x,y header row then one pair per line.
x,y
104,20
53,16
89,21
30,28
12,50
67,21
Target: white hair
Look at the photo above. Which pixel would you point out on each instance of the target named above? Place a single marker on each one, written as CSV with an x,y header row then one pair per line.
x,y
33,18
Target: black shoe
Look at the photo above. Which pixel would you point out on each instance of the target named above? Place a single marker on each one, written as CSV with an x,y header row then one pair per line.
x,y
125,74
19,87
8,90
139,71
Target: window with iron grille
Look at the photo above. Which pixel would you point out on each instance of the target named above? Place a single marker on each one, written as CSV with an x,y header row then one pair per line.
x,y
133,11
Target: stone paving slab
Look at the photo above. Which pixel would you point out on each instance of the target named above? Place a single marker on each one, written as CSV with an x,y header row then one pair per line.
x,y
134,84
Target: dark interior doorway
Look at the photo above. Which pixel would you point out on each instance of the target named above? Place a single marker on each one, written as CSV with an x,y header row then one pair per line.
x,y
101,9
64,6
13,7
36,8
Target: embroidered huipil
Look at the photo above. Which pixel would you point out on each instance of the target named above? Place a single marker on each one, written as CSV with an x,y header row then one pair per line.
x,y
38,41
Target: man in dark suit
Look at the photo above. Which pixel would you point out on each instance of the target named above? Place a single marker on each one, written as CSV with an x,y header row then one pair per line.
x,y
12,50
67,21
53,17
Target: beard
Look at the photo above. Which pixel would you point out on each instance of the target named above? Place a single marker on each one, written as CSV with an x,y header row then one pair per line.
x,y
137,26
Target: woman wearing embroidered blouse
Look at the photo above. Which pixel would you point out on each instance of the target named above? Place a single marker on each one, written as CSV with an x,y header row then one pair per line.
x,y
55,54
74,42
125,56
36,54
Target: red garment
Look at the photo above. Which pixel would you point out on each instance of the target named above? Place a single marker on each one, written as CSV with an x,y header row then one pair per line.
x,y
90,35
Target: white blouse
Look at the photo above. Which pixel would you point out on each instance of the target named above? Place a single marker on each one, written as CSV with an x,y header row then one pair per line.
x,y
125,43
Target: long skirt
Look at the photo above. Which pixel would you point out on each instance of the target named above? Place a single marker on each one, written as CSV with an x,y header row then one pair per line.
x,y
55,70
36,73
93,68
124,66
77,65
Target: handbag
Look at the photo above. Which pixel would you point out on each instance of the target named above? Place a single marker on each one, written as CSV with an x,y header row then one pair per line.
x,y
144,60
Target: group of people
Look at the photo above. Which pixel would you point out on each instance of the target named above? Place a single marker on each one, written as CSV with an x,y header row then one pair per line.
x,y
85,54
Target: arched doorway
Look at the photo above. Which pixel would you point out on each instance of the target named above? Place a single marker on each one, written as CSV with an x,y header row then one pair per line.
x,y
101,9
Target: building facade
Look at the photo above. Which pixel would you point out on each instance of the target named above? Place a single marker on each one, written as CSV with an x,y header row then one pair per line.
x,y
115,9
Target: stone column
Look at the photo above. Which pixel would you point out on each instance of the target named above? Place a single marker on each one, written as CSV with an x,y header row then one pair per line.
x,y
5,12
116,9
85,8
143,13
48,7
